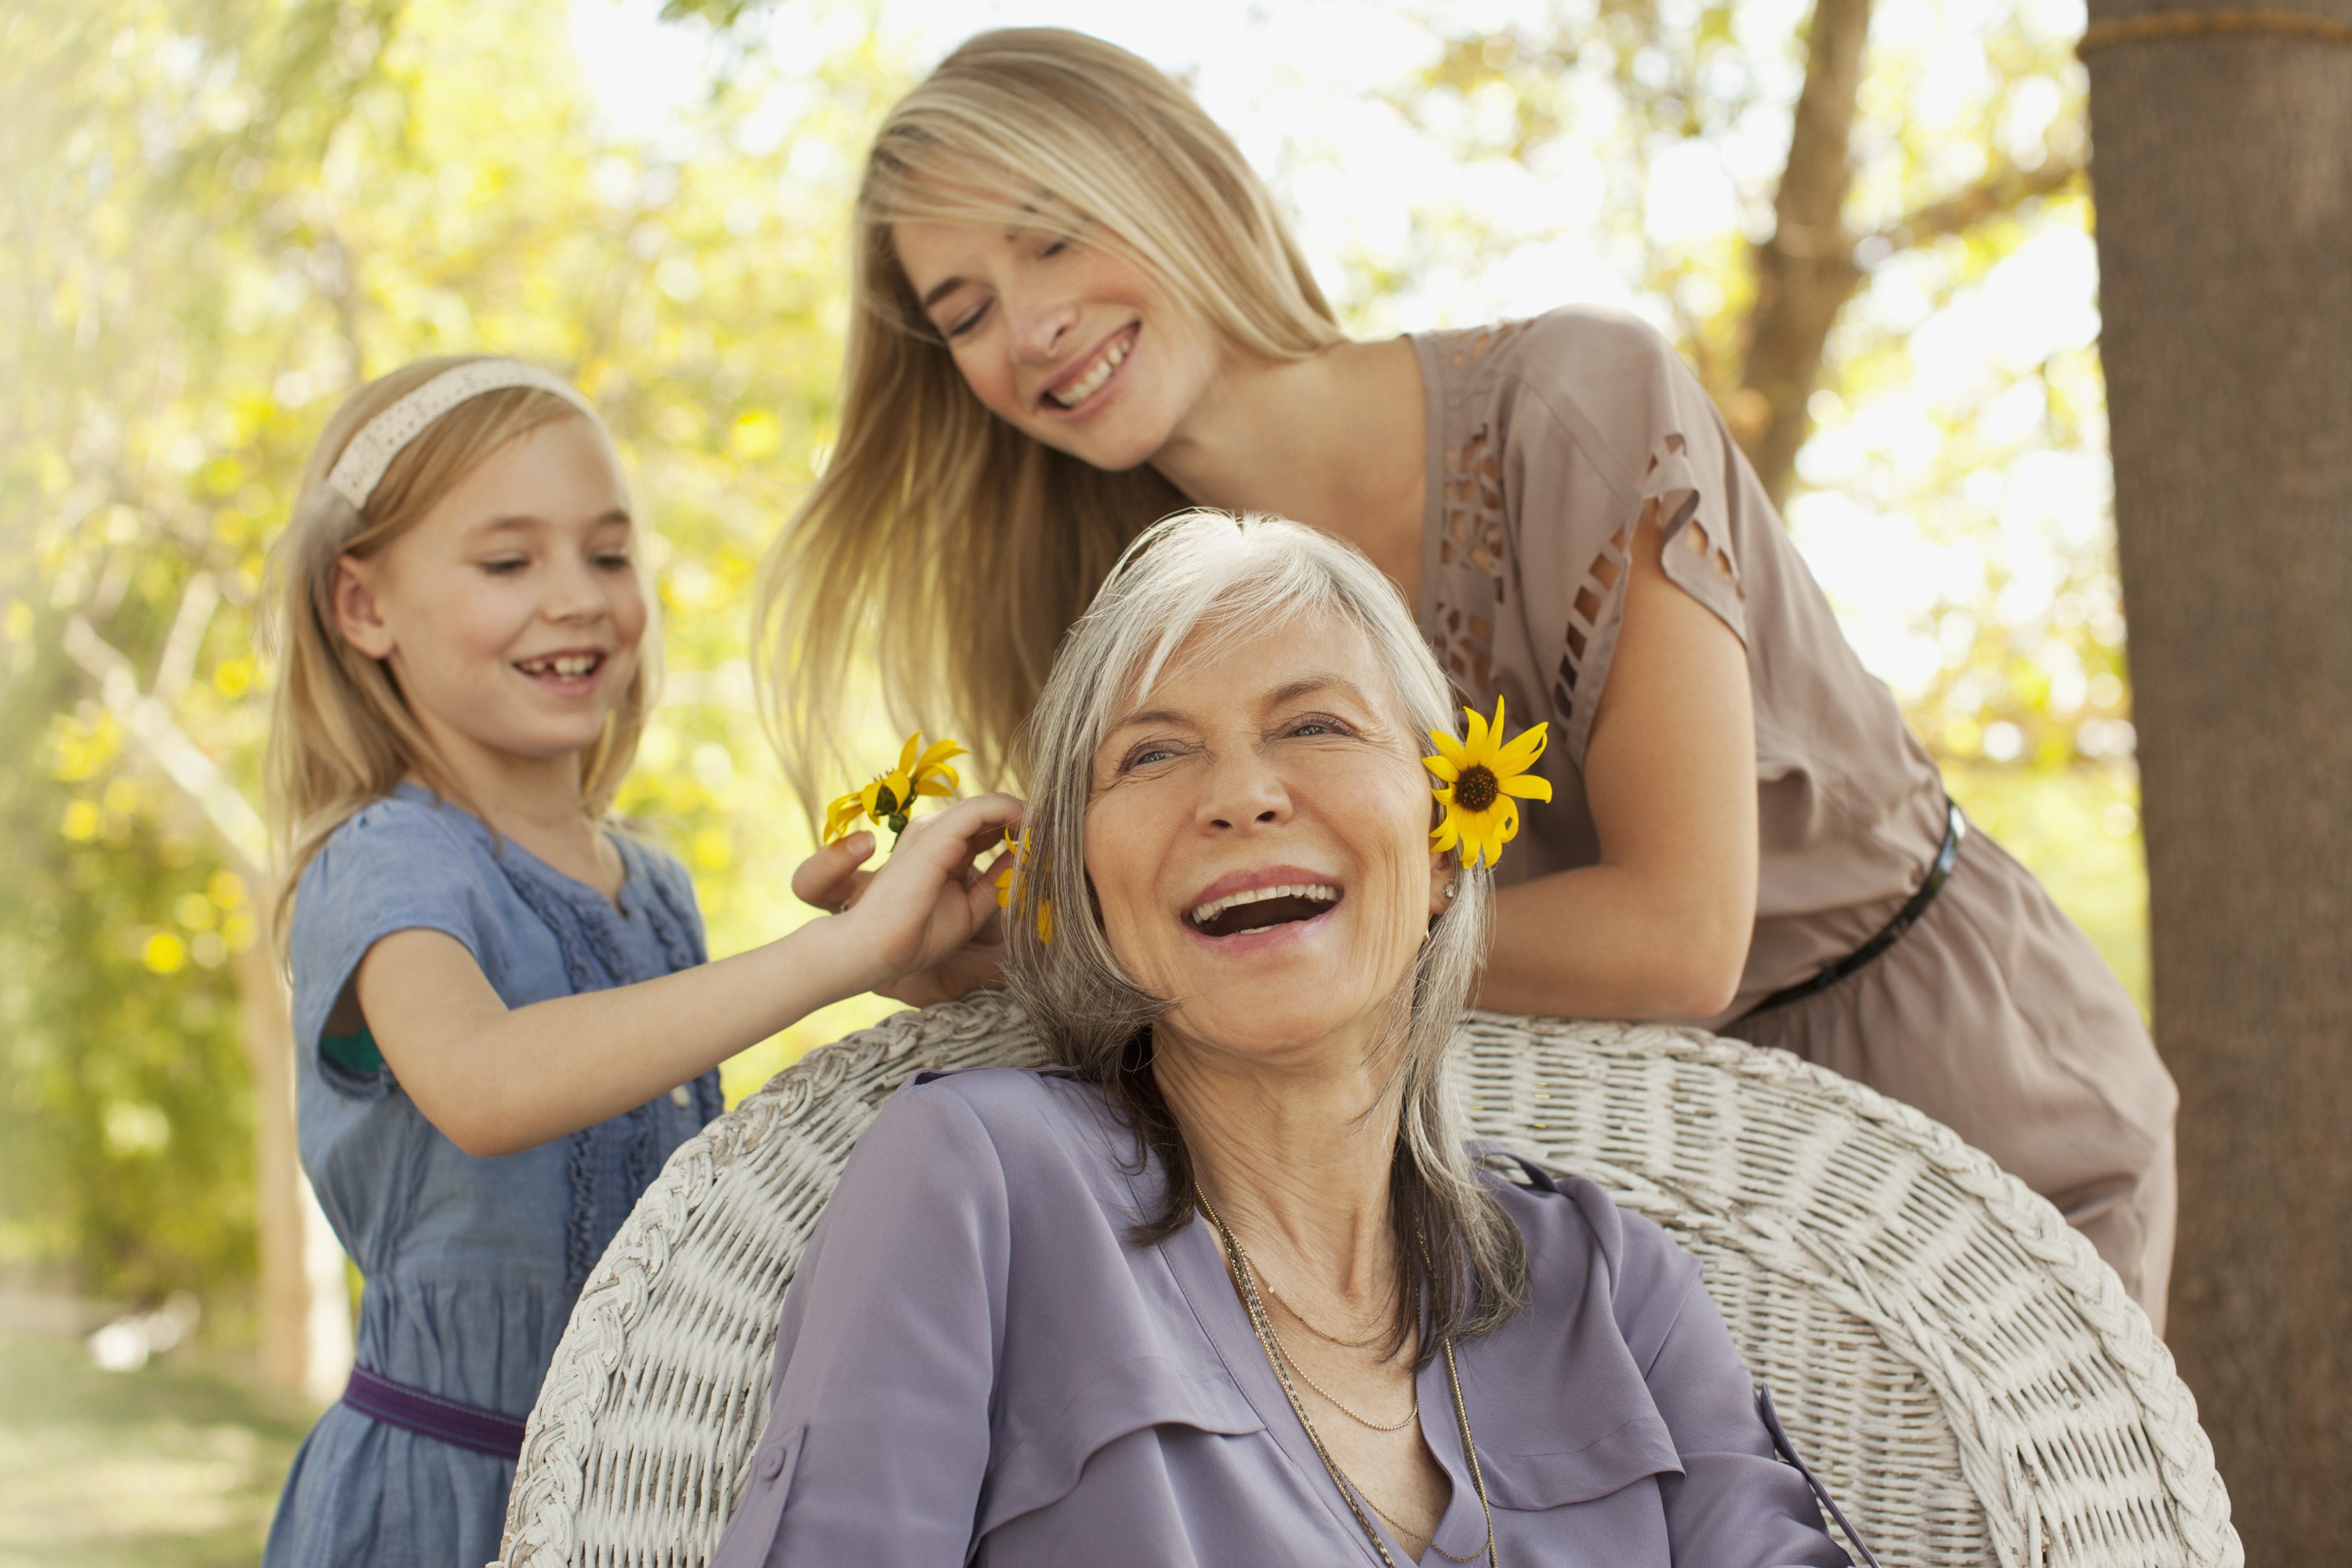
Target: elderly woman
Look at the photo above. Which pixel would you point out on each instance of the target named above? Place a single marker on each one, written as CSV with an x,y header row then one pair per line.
x,y
1223,1285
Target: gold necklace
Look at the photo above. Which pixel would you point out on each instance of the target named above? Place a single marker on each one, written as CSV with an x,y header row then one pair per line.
x,y
1333,1399
1367,1342
1245,1285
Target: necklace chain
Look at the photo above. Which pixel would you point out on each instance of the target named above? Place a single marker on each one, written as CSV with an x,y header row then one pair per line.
x,y
1367,1342
1333,1400
1357,1498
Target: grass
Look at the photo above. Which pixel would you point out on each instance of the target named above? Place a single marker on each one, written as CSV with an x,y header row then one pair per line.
x,y
170,1466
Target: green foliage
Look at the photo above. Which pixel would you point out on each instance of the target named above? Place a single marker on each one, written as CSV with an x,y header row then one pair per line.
x,y
217,221
125,1118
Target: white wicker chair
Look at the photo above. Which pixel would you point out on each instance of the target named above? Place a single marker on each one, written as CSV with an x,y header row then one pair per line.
x,y
1965,1374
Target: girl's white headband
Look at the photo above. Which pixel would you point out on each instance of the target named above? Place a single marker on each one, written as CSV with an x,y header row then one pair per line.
x,y
361,468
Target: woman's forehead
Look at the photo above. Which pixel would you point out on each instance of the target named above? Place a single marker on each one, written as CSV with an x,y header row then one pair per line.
x,y
1228,665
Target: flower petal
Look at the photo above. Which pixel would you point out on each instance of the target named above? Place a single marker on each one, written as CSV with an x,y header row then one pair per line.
x,y
1527,786
1524,749
1450,749
1446,834
1441,768
841,815
1474,747
940,751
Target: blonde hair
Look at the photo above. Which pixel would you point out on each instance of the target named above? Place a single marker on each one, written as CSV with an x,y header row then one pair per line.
x,y
953,545
340,733
1226,579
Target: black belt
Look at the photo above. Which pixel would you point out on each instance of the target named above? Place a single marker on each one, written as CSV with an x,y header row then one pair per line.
x,y
1956,828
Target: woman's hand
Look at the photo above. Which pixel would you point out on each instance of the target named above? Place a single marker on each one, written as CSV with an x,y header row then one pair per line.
x,y
927,918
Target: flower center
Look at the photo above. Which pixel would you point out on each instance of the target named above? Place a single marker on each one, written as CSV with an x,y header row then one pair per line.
x,y
1476,790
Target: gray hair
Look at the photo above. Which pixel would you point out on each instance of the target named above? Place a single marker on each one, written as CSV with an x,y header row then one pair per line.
x,y
1224,579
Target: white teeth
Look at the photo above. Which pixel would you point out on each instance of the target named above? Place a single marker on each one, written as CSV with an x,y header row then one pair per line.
x,y
1322,893
1086,386
566,667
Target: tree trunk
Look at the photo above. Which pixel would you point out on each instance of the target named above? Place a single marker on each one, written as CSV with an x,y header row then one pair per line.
x,y
1805,272
306,1328
2223,175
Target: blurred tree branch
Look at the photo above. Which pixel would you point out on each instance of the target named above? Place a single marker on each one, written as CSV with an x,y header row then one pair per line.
x,y
1694,78
233,819
1813,265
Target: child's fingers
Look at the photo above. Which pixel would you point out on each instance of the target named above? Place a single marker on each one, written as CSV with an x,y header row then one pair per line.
x,y
970,826
827,877
981,898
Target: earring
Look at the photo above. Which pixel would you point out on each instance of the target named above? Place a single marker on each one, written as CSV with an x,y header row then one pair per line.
x,y
1449,889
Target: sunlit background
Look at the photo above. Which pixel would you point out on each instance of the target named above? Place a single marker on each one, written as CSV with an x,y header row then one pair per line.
x,y
217,216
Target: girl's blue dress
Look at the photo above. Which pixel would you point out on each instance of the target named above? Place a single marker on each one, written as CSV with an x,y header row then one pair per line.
x,y
471,1265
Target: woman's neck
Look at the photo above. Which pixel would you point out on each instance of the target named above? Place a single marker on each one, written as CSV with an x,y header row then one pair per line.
x,y
1338,441
1297,1158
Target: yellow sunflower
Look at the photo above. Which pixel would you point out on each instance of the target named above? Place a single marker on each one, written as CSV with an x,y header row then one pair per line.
x,y
1480,777
1008,874
890,799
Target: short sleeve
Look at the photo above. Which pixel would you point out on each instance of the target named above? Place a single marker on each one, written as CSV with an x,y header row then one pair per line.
x,y
395,866
878,1434
1601,421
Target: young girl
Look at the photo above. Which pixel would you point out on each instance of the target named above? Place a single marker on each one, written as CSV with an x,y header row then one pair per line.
x,y
502,1013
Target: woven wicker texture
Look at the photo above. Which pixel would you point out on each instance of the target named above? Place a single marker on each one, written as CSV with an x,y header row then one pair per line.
x,y
1963,1371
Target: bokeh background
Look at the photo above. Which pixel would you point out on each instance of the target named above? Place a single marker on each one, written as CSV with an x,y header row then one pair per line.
x,y
218,216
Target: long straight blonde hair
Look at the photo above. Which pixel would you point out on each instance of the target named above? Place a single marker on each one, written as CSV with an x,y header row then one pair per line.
x,y
340,733
953,547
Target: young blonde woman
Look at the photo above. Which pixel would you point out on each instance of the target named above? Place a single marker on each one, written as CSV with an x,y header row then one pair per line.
x,y
1077,310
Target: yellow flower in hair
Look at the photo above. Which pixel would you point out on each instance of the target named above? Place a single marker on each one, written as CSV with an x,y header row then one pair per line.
x,y
1483,782
1008,875
891,798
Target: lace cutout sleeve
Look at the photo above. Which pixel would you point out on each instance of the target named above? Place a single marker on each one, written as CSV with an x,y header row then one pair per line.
x,y
1609,429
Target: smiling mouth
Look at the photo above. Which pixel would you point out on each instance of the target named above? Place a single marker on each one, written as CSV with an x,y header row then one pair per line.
x,y
561,666
1263,907
1090,381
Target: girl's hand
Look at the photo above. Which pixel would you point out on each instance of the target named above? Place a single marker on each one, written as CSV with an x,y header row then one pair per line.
x,y
928,918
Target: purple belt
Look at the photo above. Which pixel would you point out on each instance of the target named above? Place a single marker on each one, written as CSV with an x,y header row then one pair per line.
x,y
431,1416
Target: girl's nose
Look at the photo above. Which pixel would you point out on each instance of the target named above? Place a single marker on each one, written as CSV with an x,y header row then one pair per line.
x,y
574,594
1041,328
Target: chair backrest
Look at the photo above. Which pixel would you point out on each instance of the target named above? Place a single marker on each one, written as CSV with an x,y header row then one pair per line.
x,y
1964,1373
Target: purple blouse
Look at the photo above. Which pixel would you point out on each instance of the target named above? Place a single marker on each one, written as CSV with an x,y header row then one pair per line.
x,y
974,1365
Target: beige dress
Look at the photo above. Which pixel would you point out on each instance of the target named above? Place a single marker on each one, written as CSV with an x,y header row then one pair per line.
x,y
1547,438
